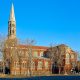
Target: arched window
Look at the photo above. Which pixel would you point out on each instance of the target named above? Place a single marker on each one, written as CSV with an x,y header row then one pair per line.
x,y
35,53
67,60
26,53
67,55
40,65
33,65
46,64
72,56
23,64
16,64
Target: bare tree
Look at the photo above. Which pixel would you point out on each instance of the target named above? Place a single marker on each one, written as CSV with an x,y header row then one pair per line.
x,y
2,47
2,42
56,54
30,44
19,58
10,46
9,49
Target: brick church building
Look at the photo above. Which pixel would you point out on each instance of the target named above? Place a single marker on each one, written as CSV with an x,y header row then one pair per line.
x,y
18,60
24,60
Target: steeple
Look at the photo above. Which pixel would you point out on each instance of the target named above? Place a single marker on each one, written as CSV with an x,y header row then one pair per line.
x,y
12,24
12,15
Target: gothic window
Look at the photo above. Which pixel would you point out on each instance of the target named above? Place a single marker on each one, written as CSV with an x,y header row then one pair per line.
x,y
23,65
35,53
16,64
46,64
40,65
26,54
33,65
67,61
72,56
67,55
20,53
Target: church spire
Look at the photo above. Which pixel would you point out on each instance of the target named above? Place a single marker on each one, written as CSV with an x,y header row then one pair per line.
x,y
12,24
12,15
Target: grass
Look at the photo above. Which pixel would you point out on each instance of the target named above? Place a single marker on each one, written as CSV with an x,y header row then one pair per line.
x,y
21,76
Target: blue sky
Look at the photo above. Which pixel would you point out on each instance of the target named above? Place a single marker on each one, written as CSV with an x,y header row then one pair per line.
x,y
45,21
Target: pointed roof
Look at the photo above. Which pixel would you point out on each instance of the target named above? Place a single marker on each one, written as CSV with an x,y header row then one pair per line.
x,y
12,15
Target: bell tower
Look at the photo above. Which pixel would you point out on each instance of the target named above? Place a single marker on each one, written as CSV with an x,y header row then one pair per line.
x,y
12,25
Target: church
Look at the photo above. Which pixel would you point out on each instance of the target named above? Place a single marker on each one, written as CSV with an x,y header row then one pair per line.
x,y
19,60
31,60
